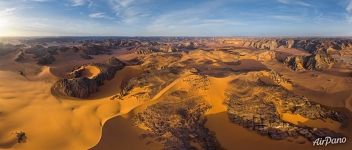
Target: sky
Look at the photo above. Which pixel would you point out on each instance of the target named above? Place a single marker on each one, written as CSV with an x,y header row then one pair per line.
x,y
175,17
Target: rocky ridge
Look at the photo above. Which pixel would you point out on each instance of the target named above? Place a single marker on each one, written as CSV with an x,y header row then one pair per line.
x,y
312,45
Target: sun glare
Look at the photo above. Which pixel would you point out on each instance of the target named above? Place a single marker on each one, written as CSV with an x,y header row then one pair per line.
x,y
5,25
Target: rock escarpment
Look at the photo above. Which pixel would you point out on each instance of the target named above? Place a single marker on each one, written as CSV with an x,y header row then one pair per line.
x,y
80,83
311,45
321,50
318,61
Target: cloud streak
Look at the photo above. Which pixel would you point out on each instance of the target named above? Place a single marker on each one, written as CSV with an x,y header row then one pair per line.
x,y
78,2
294,2
129,11
100,15
7,11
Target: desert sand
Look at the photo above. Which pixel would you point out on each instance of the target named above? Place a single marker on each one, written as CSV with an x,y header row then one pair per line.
x,y
159,86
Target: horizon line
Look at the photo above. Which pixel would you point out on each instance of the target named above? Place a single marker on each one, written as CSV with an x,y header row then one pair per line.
x,y
176,36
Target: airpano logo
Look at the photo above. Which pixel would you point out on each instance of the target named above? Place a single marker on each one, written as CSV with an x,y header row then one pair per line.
x,y
329,140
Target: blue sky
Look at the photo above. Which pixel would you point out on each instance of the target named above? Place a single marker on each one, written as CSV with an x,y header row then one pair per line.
x,y
176,17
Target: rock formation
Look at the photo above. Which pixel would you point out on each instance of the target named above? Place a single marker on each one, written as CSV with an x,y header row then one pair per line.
x,y
93,49
263,111
76,84
318,61
178,124
295,62
42,55
45,59
311,45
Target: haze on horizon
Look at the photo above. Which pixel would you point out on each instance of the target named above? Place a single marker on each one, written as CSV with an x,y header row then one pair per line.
x,y
175,18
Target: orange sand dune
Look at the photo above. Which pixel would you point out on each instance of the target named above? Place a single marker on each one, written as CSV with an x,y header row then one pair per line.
x,y
119,132
28,106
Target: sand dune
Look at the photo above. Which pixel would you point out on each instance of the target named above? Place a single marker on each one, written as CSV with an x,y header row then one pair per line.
x,y
119,132
105,119
27,105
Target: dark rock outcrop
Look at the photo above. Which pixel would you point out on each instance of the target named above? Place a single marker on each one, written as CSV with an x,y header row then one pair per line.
x,y
177,125
45,59
77,85
295,62
92,49
318,61
42,55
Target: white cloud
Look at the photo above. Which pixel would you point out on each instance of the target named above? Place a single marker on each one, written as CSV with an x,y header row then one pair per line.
x,y
7,11
130,11
294,2
78,2
99,15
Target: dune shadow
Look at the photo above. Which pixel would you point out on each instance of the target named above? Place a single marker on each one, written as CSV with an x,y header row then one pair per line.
x,y
9,144
120,133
